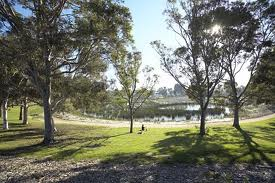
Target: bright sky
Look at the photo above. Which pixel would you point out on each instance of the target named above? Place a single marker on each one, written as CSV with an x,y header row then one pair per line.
x,y
149,25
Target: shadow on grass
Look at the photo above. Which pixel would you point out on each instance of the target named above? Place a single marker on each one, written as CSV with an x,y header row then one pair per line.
x,y
24,134
189,147
22,150
222,145
253,149
67,143
71,146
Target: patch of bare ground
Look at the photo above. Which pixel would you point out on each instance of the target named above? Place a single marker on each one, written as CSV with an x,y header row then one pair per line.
x,y
15,169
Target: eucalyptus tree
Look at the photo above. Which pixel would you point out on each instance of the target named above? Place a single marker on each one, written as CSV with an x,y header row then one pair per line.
x,y
63,37
135,93
247,32
194,64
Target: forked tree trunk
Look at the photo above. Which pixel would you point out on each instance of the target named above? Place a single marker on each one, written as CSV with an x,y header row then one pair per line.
x,y
5,114
25,112
202,122
236,122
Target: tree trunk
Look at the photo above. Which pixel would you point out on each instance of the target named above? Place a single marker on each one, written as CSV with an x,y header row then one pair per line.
x,y
46,95
49,128
25,111
131,122
236,122
5,114
202,122
20,112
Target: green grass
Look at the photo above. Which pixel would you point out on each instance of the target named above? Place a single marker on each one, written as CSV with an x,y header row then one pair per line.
x,y
222,144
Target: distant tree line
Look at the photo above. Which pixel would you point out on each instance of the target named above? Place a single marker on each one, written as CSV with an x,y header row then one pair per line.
x,y
170,92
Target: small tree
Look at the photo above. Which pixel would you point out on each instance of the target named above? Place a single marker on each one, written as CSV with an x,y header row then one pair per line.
x,y
194,64
127,68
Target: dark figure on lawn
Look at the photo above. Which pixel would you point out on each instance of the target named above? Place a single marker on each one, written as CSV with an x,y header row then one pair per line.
x,y
143,128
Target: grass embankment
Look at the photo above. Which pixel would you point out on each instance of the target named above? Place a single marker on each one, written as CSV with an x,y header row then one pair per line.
x,y
222,144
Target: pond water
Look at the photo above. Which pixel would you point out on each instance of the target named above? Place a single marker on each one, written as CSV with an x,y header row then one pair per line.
x,y
169,113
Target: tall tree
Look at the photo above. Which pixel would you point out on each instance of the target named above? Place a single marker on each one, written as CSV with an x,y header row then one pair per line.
x,y
63,37
194,64
127,66
245,36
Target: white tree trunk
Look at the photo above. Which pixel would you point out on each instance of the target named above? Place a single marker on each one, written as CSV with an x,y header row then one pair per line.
x,y
5,114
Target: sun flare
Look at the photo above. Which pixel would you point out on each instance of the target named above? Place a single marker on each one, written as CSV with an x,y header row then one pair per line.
x,y
215,29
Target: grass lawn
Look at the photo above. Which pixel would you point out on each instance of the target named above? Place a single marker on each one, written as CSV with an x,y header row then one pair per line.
x,y
255,142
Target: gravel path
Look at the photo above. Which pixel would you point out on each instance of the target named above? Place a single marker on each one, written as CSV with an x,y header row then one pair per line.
x,y
116,124
15,169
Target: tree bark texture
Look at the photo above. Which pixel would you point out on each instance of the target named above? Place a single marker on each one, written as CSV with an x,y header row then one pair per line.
x,y
131,121
5,114
20,112
202,122
48,134
236,122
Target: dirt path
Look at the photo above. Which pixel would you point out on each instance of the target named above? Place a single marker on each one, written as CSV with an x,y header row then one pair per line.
x,y
117,124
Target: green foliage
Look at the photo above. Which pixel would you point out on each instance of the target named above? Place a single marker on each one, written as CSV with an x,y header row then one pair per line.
x,y
11,76
263,84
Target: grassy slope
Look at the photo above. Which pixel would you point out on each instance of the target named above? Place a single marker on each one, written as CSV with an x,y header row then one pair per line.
x,y
224,144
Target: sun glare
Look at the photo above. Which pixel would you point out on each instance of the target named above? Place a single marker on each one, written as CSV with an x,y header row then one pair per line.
x,y
215,29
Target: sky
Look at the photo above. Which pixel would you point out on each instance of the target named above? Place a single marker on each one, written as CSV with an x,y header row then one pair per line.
x,y
149,25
